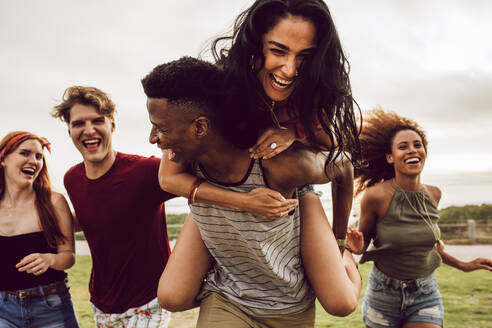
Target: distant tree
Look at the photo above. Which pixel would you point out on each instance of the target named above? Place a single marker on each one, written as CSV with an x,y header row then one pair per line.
x,y
482,214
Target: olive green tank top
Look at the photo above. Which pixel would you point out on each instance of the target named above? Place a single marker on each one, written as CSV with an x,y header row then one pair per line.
x,y
403,245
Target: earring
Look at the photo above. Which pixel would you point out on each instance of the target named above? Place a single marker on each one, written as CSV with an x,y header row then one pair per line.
x,y
252,62
297,73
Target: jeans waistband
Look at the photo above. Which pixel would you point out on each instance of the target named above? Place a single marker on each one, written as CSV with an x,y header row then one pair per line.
x,y
412,284
57,287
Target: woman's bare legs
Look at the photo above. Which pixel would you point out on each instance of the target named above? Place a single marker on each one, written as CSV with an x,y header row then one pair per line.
x,y
336,281
183,276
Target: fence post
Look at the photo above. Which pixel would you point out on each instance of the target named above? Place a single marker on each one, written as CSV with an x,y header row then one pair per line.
x,y
471,231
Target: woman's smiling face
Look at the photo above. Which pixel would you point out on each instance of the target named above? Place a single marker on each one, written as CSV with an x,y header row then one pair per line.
x,y
23,165
408,152
284,48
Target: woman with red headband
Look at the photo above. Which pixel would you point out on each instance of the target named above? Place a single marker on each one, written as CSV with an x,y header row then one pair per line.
x,y
36,238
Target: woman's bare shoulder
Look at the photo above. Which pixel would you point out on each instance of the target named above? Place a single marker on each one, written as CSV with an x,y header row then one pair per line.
x,y
378,197
434,192
57,199
380,191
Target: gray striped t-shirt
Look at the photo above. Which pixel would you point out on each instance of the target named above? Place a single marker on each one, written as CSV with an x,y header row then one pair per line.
x,y
257,262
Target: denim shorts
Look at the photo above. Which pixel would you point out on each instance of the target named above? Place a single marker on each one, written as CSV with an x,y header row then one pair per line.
x,y
390,302
44,311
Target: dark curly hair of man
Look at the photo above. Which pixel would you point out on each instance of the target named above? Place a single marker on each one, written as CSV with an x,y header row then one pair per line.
x,y
187,81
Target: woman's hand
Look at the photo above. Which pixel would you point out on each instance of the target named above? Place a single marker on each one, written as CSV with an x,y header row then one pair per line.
x,y
36,263
272,142
478,263
355,240
268,204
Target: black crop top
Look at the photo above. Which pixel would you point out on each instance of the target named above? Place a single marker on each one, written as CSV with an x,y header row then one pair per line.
x,y
15,248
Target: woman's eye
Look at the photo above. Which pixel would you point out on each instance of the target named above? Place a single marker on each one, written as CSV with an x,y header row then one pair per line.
x,y
39,157
277,51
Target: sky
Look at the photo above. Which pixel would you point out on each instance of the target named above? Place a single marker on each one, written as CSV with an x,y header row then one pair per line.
x,y
426,59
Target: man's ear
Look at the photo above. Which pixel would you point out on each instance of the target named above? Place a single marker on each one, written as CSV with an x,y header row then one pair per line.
x,y
113,124
201,126
389,159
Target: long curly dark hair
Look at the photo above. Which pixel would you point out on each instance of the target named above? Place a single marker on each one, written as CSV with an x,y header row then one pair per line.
x,y
378,131
322,93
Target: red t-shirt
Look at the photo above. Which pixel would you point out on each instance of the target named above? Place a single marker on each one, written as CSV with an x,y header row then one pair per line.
x,y
123,218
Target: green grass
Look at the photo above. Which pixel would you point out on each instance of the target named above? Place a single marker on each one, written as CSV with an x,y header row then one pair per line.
x,y
78,278
467,298
173,232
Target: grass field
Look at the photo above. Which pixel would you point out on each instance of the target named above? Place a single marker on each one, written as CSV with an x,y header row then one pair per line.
x,y
467,299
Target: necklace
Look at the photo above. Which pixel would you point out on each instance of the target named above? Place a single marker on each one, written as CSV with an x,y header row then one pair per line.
x,y
274,117
428,221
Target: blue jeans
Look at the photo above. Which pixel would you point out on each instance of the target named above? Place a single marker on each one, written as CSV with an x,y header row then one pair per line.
x,y
389,302
43,311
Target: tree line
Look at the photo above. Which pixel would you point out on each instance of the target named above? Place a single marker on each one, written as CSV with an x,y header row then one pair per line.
x,y
482,214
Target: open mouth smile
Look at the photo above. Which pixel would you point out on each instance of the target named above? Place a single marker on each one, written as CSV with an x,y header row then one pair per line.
x,y
279,83
91,144
412,160
28,170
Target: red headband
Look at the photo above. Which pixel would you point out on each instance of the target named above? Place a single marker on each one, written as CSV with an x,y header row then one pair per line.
x,y
19,137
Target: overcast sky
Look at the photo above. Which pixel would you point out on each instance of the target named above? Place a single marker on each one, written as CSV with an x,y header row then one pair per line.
x,y
429,60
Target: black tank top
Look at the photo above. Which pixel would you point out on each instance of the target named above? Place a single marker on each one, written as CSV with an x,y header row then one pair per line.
x,y
15,248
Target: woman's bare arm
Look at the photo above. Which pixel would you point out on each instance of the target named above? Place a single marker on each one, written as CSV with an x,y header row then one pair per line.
x,y
262,202
38,263
358,240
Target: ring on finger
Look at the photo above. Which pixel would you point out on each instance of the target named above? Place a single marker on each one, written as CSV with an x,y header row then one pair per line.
x,y
273,145
281,214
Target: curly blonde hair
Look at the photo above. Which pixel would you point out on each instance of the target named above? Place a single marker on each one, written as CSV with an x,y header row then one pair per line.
x,y
379,128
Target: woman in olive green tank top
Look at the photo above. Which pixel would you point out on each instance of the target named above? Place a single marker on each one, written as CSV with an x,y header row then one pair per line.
x,y
399,214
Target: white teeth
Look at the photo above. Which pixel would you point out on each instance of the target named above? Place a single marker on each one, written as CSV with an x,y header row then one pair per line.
x,y
91,142
280,82
412,160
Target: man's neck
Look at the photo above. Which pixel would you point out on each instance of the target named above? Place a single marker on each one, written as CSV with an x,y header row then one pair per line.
x,y
223,161
94,170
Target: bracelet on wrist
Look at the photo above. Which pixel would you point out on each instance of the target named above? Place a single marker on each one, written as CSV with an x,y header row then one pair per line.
x,y
193,190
